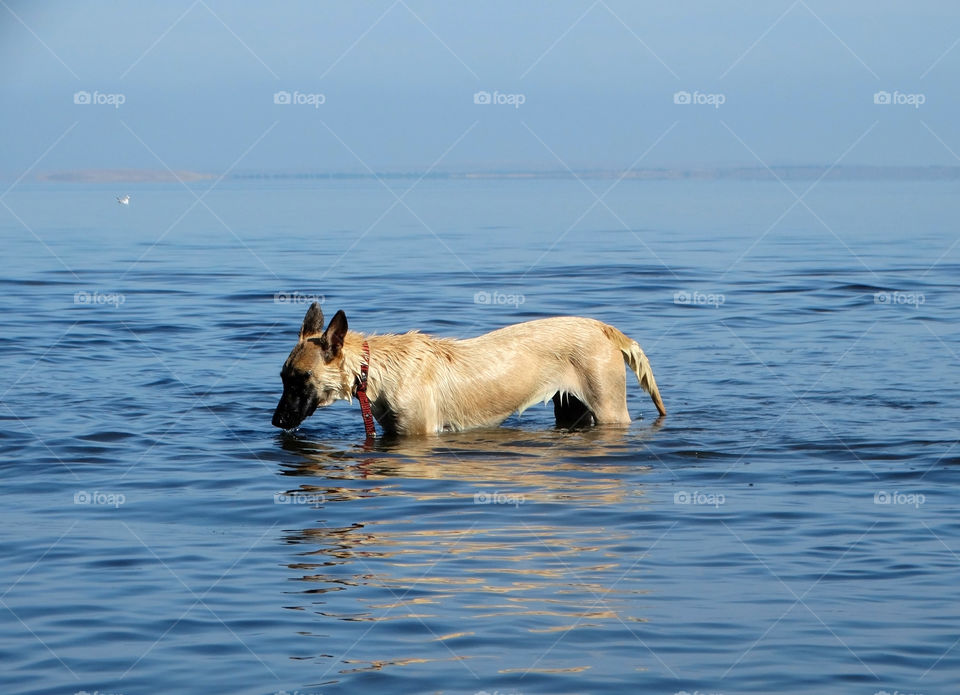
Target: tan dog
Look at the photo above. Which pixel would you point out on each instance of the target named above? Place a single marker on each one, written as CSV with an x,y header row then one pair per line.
x,y
419,384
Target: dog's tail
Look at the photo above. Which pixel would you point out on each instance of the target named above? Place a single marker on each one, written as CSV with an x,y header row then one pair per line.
x,y
640,365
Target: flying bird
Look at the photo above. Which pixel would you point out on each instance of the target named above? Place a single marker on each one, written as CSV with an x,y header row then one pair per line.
x,y
123,199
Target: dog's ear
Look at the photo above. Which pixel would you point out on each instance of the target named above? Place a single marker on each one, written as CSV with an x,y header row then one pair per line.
x,y
331,342
312,322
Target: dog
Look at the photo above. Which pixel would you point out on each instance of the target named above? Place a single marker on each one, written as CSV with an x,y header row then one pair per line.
x,y
420,385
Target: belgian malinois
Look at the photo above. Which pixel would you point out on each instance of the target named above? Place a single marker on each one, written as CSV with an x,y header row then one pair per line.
x,y
419,384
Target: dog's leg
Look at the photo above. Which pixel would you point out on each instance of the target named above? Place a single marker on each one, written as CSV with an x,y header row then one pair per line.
x,y
417,414
604,385
612,414
570,412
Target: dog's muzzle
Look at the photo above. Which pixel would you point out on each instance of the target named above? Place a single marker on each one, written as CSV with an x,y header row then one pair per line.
x,y
291,410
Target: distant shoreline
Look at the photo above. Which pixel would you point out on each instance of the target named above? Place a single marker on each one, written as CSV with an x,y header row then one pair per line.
x,y
791,173
121,176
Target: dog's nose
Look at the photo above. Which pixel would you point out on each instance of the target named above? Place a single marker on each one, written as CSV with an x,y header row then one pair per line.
x,y
279,420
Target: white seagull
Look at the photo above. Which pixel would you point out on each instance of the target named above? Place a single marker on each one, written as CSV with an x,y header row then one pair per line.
x,y
123,199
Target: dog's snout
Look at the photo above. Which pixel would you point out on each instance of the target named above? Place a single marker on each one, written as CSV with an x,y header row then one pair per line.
x,y
282,416
286,420
292,410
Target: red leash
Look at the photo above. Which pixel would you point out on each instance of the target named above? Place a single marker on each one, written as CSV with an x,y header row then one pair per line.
x,y
362,394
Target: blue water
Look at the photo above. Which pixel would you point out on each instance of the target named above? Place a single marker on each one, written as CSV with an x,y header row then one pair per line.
x,y
790,527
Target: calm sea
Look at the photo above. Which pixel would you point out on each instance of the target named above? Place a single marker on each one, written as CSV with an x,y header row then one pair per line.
x,y
791,526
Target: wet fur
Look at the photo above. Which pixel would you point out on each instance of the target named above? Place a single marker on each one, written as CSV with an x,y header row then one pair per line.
x,y
419,384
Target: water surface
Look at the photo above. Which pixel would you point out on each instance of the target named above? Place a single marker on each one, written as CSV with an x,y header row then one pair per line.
x,y
789,527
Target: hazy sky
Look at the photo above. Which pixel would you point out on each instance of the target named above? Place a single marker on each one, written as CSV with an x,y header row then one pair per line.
x,y
597,80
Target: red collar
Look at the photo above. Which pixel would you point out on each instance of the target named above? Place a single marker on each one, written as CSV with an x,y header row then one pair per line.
x,y
362,394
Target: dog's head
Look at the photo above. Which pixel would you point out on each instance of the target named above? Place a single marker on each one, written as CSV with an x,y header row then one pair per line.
x,y
313,375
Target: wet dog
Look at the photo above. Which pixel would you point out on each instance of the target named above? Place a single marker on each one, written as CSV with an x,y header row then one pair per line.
x,y
419,384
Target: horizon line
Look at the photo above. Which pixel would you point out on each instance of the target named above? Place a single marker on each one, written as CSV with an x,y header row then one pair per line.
x,y
753,173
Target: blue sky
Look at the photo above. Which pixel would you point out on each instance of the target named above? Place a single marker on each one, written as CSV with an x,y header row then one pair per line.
x,y
597,78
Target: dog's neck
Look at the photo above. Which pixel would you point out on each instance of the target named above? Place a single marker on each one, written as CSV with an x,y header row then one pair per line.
x,y
352,361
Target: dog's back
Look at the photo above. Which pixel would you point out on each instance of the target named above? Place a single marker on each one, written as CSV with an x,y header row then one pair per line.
x,y
483,380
